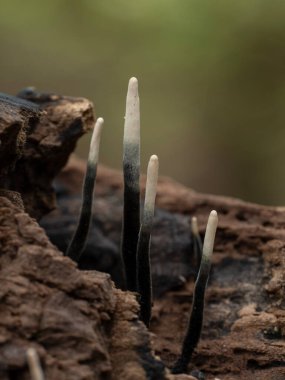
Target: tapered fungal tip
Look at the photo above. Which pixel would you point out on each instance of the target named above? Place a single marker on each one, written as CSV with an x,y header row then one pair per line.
x,y
34,364
153,165
31,354
133,81
98,126
154,158
133,88
132,116
99,121
95,141
214,214
152,169
151,186
194,226
212,223
210,234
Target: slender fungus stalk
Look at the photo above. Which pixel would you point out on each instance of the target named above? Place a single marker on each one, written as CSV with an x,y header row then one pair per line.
x,y
143,251
196,318
197,242
78,241
34,365
131,168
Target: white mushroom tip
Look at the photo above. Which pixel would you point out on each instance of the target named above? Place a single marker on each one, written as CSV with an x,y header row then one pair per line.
x,y
133,80
98,125
95,141
151,187
194,226
34,364
154,157
133,87
100,120
212,223
31,353
210,234
214,213
153,167
132,116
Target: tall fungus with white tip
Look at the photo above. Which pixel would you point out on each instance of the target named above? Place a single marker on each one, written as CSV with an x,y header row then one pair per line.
x,y
131,169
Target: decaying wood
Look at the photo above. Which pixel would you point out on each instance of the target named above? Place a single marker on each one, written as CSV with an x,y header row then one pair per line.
x,y
16,117
79,324
37,133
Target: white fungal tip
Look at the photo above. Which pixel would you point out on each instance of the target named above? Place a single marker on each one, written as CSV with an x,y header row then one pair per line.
x,y
152,169
132,116
95,141
151,184
154,158
34,364
133,88
194,226
214,214
133,81
31,354
100,120
210,234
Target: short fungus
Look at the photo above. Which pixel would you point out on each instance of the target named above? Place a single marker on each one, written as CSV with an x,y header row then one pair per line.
x,y
34,364
143,249
78,241
196,317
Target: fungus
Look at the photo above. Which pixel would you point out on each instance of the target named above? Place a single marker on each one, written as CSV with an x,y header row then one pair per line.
x,y
196,317
197,242
136,238
34,364
78,241
131,169
143,250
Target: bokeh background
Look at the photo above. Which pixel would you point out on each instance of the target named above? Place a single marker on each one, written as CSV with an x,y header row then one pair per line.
x,y
211,74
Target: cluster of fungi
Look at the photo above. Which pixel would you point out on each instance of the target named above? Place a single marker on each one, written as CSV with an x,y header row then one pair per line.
x,y
108,296
136,233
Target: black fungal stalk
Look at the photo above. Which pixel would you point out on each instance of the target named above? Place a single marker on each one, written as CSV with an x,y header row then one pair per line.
x,y
77,244
196,318
131,168
197,242
143,251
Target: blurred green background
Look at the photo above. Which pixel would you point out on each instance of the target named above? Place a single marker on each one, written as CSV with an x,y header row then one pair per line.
x,y
211,75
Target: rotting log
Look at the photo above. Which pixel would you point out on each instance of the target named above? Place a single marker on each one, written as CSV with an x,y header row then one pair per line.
x,y
37,133
79,324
